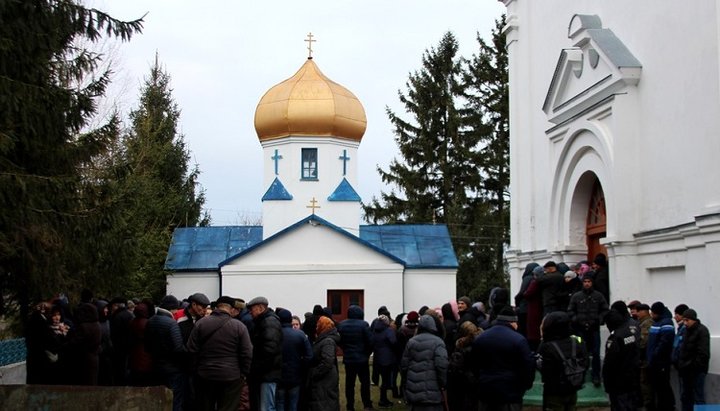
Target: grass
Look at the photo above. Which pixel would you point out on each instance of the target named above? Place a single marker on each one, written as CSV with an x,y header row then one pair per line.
x,y
374,392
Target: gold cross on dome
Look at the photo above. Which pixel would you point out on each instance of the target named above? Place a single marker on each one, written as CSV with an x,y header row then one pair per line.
x,y
313,205
310,41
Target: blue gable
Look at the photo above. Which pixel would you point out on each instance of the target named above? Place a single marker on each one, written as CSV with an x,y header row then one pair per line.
x,y
344,192
207,248
276,191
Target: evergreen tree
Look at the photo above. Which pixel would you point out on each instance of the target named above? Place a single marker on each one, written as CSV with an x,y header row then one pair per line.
x,y
48,91
160,189
454,167
485,89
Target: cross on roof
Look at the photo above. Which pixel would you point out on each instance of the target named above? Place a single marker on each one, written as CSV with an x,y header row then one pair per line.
x,y
313,205
344,159
277,157
310,41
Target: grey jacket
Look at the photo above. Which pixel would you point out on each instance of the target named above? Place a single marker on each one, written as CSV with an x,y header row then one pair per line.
x,y
222,355
425,364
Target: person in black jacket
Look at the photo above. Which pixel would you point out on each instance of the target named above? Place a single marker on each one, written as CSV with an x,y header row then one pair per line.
x,y
694,360
621,367
587,309
502,363
355,343
266,368
558,393
297,353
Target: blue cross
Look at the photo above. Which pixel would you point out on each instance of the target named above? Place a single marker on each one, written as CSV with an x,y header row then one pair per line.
x,y
277,157
345,159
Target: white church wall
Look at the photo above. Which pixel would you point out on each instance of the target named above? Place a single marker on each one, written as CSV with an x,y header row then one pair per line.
x,y
428,287
182,285
277,215
302,287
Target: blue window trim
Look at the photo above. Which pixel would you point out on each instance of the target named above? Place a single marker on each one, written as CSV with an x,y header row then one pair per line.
x,y
302,164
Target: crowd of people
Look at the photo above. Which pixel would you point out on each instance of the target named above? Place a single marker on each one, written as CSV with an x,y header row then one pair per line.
x,y
233,355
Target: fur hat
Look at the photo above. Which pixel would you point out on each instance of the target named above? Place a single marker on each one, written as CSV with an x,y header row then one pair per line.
x,y
226,300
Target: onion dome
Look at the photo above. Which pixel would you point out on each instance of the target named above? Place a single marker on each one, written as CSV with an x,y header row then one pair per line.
x,y
309,104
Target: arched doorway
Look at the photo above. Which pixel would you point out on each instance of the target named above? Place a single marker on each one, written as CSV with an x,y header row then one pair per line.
x,y
596,227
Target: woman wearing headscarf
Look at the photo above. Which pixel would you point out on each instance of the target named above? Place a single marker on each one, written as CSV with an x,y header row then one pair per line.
x,y
323,377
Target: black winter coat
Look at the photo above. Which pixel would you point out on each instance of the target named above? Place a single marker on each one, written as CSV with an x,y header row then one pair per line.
x,y
553,370
83,346
503,365
267,348
355,337
621,366
164,343
587,309
695,350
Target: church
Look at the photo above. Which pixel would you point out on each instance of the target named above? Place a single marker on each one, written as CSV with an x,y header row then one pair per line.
x,y
615,138
311,248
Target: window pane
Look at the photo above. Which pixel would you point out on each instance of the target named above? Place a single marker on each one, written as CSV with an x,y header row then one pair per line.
x,y
309,163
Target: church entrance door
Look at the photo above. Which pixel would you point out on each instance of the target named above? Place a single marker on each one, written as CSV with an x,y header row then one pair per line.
x,y
596,222
340,300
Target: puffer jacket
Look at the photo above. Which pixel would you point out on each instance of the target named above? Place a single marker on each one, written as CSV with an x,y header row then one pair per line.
x,y
425,365
355,337
267,345
163,342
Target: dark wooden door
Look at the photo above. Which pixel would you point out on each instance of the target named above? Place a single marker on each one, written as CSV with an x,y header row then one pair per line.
x,y
596,222
340,300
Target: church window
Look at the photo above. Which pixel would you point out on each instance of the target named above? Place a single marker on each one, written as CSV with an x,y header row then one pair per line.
x,y
309,164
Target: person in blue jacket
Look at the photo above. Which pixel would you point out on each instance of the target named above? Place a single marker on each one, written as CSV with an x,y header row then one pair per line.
x,y
355,343
659,357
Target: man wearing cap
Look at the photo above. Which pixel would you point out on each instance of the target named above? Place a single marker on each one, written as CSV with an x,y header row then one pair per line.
x,y
503,364
163,341
223,353
694,360
355,343
642,314
195,310
551,284
266,369
659,351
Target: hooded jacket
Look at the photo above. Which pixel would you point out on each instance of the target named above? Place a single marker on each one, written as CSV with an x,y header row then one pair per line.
x,y
557,330
267,344
424,364
383,340
355,337
323,376
527,277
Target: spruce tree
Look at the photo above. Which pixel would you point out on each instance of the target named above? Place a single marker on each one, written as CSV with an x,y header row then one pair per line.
x,y
485,90
159,186
49,85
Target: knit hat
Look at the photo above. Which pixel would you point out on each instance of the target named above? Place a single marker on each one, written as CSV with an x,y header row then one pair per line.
x,y
690,314
383,310
284,315
507,314
537,271
169,302
570,274
324,324
657,307
413,317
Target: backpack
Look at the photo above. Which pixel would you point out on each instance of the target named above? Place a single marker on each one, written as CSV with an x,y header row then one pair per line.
x,y
573,369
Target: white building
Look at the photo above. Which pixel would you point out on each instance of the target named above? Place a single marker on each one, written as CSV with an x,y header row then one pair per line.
x,y
615,139
311,248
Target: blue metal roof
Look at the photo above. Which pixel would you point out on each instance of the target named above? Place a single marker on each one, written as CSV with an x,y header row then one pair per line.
x,y
419,245
276,191
344,192
208,248
202,248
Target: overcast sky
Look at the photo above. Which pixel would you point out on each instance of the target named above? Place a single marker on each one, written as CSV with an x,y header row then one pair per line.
x,y
222,56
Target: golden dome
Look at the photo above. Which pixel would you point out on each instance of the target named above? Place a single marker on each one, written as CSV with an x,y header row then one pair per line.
x,y
309,104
